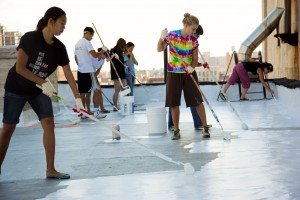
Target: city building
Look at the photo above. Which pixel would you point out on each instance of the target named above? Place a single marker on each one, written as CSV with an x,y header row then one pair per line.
x,y
1,35
9,37
218,72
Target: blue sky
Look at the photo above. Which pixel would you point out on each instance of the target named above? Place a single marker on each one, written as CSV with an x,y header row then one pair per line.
x,y
225,23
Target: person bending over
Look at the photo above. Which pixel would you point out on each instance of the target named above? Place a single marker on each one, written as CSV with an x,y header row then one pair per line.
x,y
240,71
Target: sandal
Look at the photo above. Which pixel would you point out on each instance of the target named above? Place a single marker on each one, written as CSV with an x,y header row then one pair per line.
x,y
244,99
105,111
58,176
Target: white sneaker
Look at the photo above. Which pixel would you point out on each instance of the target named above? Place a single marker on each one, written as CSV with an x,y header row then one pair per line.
x,y
98,114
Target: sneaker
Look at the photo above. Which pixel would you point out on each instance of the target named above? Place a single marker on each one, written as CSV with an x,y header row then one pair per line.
x,y
205,132
209,125
200,127
98,115
176,135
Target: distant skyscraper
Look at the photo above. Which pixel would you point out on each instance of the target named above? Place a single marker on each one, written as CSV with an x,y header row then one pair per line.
x,y
1,35
12,38
9,37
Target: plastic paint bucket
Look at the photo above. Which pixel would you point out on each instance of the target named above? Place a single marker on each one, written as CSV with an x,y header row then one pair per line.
x,y
126,105
156,118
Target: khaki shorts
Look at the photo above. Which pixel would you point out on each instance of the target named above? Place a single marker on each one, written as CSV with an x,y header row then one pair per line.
x,y
176,82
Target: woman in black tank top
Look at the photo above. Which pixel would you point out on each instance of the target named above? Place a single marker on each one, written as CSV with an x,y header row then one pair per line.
x,y
241,70
117,70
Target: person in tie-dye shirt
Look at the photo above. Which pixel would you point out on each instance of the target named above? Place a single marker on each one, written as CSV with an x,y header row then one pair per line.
x,y
197,121
183,51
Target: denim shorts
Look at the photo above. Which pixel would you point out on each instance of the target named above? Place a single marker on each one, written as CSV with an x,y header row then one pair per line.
x,y
14,104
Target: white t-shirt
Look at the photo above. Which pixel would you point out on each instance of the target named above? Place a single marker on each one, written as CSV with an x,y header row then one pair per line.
x,y
97,63
84,58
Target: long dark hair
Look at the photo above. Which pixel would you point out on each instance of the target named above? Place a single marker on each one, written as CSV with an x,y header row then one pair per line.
x,y
121,44
52,13
129,44
267,65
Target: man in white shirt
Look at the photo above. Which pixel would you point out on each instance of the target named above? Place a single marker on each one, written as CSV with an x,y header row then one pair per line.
x,y
84,55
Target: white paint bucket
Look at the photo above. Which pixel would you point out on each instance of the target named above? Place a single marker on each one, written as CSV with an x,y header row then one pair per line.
x,y
126,105
124,92
157,123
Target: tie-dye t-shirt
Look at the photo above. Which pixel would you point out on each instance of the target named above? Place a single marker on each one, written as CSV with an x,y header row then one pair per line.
x,y
180,48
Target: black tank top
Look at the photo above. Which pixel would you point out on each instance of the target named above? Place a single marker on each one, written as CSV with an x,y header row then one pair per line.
x,y
252,67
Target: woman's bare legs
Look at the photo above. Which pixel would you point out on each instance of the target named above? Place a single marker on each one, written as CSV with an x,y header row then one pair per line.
x,y
175,116
48,140
244,92
118,88
226,87
5,136
86,100
201,112
97,99
49,143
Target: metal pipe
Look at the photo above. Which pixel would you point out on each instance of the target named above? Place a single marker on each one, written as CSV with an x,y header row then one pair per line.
x,y
260,33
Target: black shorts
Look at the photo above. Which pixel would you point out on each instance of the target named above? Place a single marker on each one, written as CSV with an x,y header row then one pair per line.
x,y
176,82
119,68
85,82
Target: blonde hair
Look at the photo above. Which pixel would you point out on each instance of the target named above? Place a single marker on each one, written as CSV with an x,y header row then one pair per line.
x,y
190,19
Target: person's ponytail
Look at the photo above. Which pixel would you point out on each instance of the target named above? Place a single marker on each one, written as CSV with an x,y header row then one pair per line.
x,y
41,24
